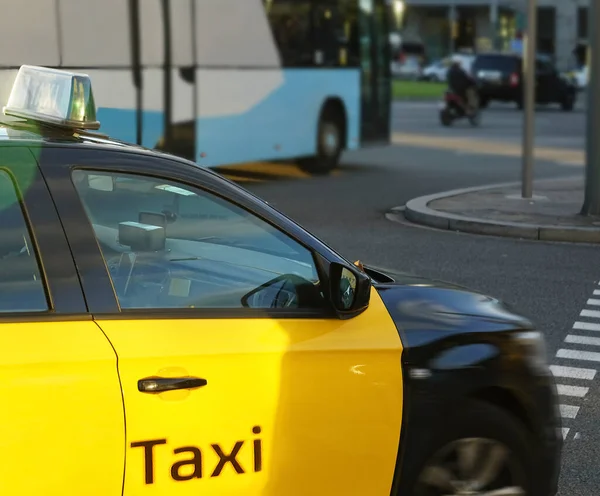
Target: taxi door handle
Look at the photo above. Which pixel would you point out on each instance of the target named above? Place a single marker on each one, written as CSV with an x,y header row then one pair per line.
x,y
162,384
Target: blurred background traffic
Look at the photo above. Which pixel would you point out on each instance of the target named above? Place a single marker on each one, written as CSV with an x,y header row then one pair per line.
x,y
428,34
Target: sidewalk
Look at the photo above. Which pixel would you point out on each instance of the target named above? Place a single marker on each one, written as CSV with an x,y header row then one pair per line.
x,y
552,214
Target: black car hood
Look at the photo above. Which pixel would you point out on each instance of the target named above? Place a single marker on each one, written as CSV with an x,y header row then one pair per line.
x,y
429,309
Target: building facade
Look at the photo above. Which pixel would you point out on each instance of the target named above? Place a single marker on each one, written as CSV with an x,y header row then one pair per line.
x,y
444,26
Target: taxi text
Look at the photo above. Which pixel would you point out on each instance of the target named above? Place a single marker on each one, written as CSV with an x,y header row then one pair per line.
x,y
195,460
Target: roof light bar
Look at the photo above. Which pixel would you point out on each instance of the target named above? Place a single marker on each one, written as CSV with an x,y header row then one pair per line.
x,y
53,97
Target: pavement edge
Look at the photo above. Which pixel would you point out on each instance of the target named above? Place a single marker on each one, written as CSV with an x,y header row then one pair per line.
x,y
417,211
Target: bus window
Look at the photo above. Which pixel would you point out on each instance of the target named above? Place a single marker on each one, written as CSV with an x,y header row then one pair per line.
x,y
233,33
152,34
182,39
290,24
335,28
94,34
28,37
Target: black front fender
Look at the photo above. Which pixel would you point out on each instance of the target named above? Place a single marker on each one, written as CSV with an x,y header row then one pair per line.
x,y
460,346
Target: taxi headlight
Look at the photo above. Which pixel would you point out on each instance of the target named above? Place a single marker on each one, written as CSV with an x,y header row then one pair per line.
x,y
534,344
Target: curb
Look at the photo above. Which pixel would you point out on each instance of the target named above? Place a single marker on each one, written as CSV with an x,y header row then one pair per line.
x,y
417,211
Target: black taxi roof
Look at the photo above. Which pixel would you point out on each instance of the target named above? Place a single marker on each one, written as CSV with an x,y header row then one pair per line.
x,y
34,133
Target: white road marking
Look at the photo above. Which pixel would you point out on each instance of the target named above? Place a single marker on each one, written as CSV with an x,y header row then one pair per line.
x,y
577,391
568,411
573,372
595,314
589,356
572,391
582,340
586,326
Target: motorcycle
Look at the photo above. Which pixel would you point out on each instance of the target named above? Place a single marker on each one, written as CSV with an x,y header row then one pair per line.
x,y
453,108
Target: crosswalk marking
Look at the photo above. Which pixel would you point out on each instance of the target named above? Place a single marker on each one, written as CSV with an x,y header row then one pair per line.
x,y
576,391
582,340
586,326
595,314
573,372
589,356
568,411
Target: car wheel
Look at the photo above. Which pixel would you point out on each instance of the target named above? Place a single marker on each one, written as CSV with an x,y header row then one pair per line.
x,y
519,104
484,102
481,450
330,143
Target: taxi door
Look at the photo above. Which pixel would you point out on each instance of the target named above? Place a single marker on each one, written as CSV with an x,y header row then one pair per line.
x,y
61,421
219,398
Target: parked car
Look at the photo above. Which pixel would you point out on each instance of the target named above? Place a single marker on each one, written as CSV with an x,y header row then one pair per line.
x,y
410,68
466,60
436,71
500,77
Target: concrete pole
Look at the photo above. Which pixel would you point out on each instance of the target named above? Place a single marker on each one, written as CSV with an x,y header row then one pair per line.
x,y
529,100
494,23
591,203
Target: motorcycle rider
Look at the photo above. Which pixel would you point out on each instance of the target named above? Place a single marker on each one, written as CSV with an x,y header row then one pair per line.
x,y
462,84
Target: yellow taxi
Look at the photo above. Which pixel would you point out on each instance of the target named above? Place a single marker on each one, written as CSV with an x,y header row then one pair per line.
x,y
165,332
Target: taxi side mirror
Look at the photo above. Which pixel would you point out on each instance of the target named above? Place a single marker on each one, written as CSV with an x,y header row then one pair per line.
x,y
350,289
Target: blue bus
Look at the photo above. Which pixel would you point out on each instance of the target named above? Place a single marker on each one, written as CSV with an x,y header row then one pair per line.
x,y
219,81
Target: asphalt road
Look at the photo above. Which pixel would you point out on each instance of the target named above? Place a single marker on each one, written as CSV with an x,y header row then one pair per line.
x,y
500,122
550,282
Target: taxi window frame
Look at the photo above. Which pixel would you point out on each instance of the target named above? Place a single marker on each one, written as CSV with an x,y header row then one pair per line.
x,y
100,296
58,275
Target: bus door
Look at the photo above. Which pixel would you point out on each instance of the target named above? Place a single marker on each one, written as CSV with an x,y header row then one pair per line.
x,y
163,67
374,23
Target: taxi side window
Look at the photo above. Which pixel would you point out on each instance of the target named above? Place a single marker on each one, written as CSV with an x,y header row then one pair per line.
x,y
21,285
170,245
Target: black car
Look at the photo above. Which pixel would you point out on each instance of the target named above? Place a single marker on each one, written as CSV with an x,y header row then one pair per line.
x,y
500,77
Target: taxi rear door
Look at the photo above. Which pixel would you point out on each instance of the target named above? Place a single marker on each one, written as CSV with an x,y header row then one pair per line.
x,y
220,398
62,425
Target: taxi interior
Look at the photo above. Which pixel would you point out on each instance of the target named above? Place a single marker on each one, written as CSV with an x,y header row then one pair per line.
x,y
177,257
18,264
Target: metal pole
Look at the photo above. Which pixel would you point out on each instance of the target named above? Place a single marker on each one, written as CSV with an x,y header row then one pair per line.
x,y
452,19
591,203
529,100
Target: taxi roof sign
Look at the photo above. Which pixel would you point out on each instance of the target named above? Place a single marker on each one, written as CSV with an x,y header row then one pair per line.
x,y
54,97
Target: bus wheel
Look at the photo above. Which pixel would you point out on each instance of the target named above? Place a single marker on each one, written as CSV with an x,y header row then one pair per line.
x,y
330,143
